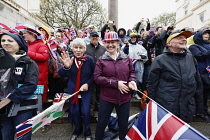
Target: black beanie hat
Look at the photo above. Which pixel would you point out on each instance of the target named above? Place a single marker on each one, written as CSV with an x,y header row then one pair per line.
x,y
21,42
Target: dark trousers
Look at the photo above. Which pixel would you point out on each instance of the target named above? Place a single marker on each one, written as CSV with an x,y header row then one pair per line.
x,y
94,99
80,114
9,125
55,85
105,110
206,93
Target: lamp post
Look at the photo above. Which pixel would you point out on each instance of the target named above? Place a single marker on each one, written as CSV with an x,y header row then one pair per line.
x,y
113,11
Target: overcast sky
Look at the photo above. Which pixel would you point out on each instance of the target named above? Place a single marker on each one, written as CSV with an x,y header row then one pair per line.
x,y
131,11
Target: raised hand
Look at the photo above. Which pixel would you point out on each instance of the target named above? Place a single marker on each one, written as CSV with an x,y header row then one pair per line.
x,y
67,61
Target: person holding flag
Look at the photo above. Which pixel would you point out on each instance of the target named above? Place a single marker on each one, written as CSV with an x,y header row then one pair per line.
x,y
116,77
174,81
138,54
79,69
26,73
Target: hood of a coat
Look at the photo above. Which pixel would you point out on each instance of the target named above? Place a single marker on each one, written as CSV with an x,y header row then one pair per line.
x,y
46,29
124,32
21,42
199,40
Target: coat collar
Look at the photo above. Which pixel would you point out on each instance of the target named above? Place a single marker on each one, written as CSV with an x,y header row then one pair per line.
x,y
121,55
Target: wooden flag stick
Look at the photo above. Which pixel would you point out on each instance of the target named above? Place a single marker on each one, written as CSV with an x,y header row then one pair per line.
x,y
67,97
144,94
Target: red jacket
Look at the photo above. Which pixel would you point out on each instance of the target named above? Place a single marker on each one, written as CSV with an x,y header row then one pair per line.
x,y
38,51
107,74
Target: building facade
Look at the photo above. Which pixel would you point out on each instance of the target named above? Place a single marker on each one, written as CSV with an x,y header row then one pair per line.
x,y
192,13
33,6
12,12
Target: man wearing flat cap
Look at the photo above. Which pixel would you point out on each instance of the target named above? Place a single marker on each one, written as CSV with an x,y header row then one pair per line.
x,y
95,50
174,81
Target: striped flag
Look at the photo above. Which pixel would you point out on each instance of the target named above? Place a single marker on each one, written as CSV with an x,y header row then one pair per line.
x,y
85,32
59,97
20,26
5,26
38,121
157,123
134,62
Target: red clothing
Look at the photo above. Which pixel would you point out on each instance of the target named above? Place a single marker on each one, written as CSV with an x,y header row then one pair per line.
x,y
38,51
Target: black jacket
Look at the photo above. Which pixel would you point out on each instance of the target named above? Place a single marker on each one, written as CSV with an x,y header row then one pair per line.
x,y
26,73
95,52
174,82
103,30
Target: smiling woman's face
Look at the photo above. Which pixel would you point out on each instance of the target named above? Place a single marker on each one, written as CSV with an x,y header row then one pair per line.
x,y
111,46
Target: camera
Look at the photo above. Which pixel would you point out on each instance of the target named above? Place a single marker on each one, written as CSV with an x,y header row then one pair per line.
x,y
110,22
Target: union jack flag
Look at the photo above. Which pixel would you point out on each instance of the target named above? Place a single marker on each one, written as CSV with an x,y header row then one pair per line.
x,y
59,97
24,128
156,123
85,32
72,33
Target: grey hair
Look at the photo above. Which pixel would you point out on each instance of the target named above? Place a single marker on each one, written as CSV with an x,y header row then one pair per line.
x,y
78,41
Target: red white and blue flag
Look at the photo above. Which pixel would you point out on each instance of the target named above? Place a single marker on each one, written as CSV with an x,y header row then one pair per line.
x,y
85,32
59,97
72,33
156,123
21,26
3,26
40,120
23,129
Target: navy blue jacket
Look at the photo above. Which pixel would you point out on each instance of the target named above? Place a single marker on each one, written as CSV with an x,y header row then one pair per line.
x,y
86,77
201,51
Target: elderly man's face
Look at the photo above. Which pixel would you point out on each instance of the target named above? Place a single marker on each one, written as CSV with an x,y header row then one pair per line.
x,y
94,39
90,29
177,44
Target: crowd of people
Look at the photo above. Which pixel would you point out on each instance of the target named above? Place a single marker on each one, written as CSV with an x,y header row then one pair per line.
x,y
171,66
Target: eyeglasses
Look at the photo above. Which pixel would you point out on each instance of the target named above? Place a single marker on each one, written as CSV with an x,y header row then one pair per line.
x,y
91,28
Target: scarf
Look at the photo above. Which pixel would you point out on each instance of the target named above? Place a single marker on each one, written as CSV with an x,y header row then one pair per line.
x,y
78,62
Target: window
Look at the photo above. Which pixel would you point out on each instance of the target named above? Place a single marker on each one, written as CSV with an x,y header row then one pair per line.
x,y
202,17
185,10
